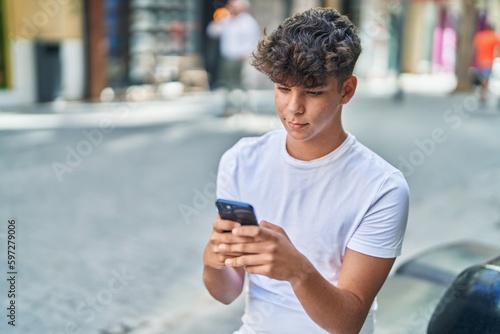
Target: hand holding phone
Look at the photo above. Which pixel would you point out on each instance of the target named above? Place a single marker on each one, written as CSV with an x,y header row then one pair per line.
x,y
242,213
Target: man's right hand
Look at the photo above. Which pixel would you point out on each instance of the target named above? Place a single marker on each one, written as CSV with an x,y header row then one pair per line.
x,y
223,283
215,254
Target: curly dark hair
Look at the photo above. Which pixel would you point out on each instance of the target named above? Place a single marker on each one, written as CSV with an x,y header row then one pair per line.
x,y
309,48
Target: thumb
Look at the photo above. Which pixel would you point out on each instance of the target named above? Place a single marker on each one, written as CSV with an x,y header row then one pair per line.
x,y
270,226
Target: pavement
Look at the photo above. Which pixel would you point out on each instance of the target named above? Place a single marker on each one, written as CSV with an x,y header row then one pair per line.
x,y
105,246
72,114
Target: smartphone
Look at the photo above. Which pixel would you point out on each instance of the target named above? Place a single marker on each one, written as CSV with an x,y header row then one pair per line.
x,y
242,213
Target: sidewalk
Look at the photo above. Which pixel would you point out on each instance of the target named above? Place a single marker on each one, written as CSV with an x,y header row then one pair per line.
x,y
117,207
205,104
426,84
124,114
119,114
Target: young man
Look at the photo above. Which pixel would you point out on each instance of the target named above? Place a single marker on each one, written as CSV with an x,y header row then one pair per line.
x,y
334,213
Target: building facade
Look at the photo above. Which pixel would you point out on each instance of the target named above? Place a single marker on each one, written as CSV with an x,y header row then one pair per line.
x,y
41,55
76,49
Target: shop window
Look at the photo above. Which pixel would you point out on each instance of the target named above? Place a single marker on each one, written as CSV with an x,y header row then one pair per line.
x,y
143,35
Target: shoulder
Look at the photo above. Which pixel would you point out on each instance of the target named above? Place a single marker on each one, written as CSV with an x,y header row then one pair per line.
x,y
251,148
375,170
250,144
369,159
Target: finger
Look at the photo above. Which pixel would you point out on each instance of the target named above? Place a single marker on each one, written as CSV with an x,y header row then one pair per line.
x,y
215,260
260,233
222,250
220,261
259,269
247,260
272,227
229,238
223,225
241,248
246,231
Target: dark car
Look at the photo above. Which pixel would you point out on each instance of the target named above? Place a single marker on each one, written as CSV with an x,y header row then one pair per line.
x,y
452,289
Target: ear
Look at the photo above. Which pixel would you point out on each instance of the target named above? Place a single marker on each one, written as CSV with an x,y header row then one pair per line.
x,y
348,89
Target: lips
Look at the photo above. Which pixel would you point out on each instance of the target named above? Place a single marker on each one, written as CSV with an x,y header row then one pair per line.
x,y
296,126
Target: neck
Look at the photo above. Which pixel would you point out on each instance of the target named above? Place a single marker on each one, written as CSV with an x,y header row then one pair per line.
x,y
306,151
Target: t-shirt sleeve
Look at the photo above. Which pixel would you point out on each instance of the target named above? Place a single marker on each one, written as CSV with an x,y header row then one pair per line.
x,y
382,228
226,175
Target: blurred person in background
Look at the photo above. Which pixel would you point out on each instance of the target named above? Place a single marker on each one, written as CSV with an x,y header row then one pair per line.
x,y
486,46
239,34
334,212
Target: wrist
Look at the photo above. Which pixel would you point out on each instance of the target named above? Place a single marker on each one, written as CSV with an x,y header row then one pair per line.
x,y
304,274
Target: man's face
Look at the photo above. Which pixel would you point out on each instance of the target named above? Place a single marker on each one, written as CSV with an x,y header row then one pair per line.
x,y
313,115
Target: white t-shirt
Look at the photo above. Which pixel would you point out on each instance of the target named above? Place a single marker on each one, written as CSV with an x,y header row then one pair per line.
x,y
239,35
348,198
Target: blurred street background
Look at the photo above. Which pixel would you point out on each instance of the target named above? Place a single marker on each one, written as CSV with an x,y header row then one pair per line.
x,y
111,130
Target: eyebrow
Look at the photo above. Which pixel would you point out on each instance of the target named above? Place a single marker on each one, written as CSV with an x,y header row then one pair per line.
x,y
305,87
316,87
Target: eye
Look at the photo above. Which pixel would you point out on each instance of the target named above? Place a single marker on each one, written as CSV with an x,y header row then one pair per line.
x,y
283,89
315,93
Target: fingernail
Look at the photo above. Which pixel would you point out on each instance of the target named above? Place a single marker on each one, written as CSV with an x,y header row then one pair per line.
x,y
222,247
228,262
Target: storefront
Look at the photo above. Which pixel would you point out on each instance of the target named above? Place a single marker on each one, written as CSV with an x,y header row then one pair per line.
x,y
431,37
41,51
75,49
426,32
141,42
155,44
149,43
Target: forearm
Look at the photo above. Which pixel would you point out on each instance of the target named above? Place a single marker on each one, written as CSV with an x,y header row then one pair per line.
x,y
225,284
335,310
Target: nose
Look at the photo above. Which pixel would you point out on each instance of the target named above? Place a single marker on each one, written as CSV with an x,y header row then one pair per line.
x,y
295,105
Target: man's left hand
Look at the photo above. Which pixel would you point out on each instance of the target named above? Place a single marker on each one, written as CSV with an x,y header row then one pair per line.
x,y
272,254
